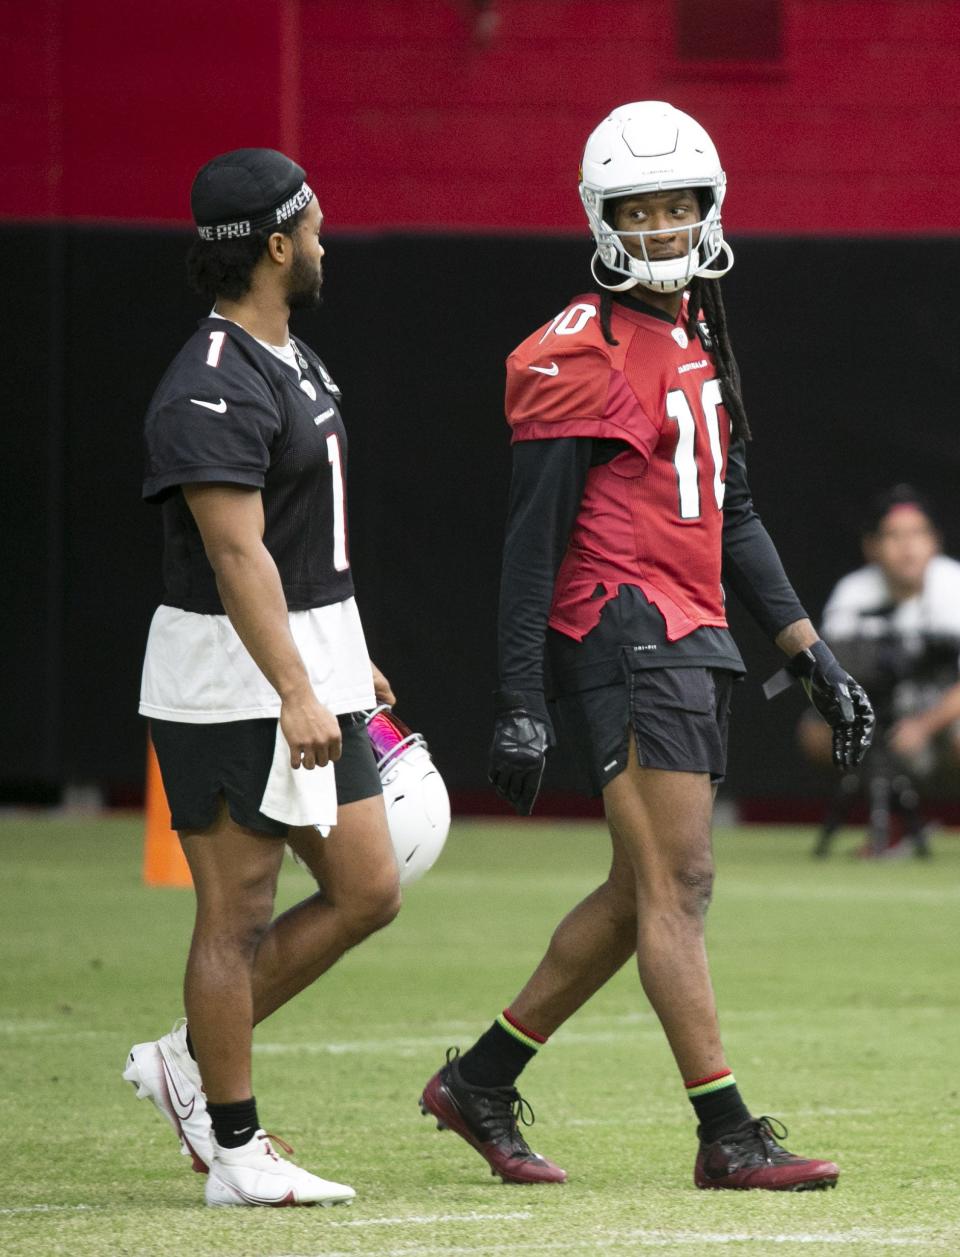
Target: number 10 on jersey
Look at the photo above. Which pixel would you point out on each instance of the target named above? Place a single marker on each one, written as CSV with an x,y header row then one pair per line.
x,y
685,456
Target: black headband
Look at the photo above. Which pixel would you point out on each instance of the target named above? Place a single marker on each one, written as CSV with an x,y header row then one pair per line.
x,y
270,218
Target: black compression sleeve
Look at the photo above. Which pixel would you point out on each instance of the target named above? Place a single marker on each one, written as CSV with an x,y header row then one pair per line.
x,y
545,492
751,564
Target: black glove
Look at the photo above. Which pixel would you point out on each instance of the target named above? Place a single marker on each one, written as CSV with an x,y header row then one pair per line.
x,y
518,752
840,701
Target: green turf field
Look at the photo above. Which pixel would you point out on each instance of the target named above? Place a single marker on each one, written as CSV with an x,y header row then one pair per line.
x,y
838,985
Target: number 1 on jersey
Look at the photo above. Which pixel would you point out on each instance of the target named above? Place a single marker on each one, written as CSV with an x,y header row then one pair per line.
x,y
340,560
685,456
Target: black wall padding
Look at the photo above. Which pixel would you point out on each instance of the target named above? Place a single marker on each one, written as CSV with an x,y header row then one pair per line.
x,y
850,365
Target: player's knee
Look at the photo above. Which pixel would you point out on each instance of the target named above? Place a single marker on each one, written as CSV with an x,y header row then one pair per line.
x,y
372,910
234,933
237,920
694,885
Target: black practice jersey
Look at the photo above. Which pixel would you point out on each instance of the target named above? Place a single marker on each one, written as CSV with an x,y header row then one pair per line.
x,y
228,411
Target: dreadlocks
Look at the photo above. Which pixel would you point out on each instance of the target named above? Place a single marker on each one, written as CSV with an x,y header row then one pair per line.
x,y
606,306
705,295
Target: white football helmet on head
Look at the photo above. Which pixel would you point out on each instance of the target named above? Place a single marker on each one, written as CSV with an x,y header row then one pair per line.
x,y
416,800
649,146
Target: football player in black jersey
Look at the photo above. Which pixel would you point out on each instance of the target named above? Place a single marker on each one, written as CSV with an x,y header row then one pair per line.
x,y
256,672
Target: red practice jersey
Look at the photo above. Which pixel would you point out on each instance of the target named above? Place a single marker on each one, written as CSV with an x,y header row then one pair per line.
x,y
652,516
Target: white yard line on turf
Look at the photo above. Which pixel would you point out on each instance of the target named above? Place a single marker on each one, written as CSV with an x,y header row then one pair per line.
x,y
14,1025
622,1030
627,1028
657,1117
431,1219
863,893
660,1239
856,1235
44,1208
352,1045
411,1044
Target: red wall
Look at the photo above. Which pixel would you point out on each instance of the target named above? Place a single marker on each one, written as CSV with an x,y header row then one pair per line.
x,y
403,119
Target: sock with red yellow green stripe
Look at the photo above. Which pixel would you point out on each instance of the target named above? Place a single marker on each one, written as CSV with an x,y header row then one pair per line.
x,y
717,1103
499,1055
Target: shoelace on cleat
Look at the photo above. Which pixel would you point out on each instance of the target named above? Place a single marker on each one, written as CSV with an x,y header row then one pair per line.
x,y
516,1109
277,1140
510,1108
774,1127
764,1131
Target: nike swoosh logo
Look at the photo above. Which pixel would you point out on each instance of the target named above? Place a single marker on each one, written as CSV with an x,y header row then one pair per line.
x,y
177,1104
553,369
288,1199
218,408
318,419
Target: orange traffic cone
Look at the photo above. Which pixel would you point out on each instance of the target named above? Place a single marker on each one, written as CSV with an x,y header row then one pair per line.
x,y
163,859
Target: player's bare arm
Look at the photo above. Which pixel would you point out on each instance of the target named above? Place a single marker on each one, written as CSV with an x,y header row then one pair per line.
x,y
382,689
796,637
231,524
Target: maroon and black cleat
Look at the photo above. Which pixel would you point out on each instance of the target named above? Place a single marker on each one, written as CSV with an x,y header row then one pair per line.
x,y
749,1158
486,1117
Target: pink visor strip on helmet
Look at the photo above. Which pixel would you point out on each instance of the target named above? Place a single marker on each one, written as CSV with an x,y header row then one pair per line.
x,y
389,735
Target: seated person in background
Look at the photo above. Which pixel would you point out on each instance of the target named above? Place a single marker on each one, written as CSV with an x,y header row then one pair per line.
x,y
896,624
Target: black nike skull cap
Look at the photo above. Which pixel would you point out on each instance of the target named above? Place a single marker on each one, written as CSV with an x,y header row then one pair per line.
x,y
247,190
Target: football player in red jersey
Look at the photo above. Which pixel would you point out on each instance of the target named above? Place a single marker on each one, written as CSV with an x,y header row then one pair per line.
x,y
629,494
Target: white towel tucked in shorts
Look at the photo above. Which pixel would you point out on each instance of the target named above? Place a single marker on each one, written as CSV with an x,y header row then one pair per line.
x,y
299,796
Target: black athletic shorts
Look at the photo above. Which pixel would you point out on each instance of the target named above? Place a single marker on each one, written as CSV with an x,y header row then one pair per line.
x,y
679,718
201,763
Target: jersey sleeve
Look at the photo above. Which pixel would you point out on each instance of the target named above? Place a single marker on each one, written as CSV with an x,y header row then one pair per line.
x,y
751,564
220,430
546,488
574,391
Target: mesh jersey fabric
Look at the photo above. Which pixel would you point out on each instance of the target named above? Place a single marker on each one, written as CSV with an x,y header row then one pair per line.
x,y
652,516
228,411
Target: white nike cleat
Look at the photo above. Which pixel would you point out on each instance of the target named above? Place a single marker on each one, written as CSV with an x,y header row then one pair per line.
x,y
254,1174
166,1073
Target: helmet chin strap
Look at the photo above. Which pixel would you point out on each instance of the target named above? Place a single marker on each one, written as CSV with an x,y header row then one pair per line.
x,y
627,283
664,285
717,272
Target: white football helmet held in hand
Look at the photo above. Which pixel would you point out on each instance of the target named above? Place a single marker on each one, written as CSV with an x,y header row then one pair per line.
x,y
649,146
415,797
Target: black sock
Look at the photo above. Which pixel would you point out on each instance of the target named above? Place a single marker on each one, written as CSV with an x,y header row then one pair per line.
x,y
193,1055
234,1124
499,1055
718,1111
